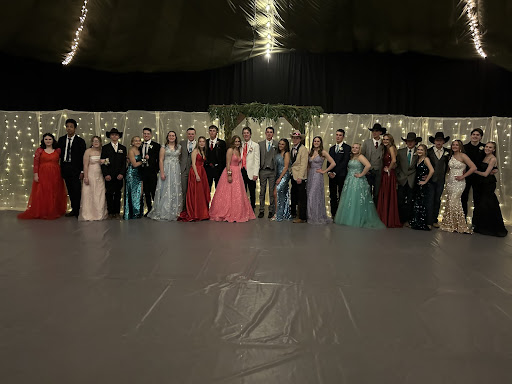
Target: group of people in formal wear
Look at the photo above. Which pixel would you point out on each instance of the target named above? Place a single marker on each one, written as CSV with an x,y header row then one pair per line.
x,y
371,185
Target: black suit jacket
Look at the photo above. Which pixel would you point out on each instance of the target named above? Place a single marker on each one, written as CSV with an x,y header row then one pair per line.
x,y
77,154
117,161
341,159
440,165
218,155
152,165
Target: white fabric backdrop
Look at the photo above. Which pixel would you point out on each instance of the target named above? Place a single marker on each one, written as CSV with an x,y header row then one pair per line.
x,y
21,134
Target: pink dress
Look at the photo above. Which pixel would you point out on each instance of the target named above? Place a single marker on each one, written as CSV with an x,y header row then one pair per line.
x,y
230,202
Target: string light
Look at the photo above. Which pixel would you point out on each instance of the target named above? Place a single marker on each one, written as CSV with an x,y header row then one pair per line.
x,y
76,40
474,26
264,24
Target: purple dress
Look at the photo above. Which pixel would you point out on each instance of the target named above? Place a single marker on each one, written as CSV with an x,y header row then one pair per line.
x,y
317,213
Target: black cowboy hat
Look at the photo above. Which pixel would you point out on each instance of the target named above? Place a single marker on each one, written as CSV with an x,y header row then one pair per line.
x,y
378,127
114,130
412,136
439,135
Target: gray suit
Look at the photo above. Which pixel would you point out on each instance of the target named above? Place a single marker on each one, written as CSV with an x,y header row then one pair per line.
x,y
267,173
186,164
405,174
374,156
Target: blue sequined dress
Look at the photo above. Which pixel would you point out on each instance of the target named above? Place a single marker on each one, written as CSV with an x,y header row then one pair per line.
x,y
168,202
133,192
283,191
357,208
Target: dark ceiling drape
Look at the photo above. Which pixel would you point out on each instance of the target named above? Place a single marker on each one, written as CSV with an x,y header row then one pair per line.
x,y
409,84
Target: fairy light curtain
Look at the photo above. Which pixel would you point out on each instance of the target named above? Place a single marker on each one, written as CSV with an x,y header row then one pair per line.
x,y
22,131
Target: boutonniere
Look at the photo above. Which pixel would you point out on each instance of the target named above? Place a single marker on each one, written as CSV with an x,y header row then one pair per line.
x,y
250,149
150,146
120,151
107,161
481,147
446,154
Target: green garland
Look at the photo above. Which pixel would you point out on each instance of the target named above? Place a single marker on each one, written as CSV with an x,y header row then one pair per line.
x,y
231,115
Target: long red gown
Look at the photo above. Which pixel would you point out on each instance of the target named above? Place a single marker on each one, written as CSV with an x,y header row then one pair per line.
x,y
230,202
387,205
198,194
48,198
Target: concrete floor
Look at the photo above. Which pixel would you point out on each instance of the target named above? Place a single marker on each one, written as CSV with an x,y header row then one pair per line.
x,y
258,302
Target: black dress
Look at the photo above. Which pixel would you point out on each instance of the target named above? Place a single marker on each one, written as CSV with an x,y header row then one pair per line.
x,y
420,195
487,219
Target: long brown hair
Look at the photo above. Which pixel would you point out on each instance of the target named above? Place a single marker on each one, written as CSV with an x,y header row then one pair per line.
x,y
461,148
175,140
202,151
391,142
320,148
233,139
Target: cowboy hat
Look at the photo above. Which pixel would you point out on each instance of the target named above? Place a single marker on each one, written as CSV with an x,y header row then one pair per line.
x,y
378,127
412,136
439,135
296,133
114,130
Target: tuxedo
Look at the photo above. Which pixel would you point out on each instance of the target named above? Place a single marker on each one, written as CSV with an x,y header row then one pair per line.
x,y
341,157
185,165
476,154
267,173
405,175
374,156
437,180
72,165
116,166
215,160
250,150
299,170
149,171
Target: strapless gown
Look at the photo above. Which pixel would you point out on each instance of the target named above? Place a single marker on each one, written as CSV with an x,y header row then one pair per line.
x,y
230,202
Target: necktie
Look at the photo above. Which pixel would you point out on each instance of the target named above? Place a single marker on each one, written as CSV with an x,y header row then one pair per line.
x,y
68,151
244,156
145,150
376,145
211,145
268,148
115,148
189,146
337,148
409,156
439,154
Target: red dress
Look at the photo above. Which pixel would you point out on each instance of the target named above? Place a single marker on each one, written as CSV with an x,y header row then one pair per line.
x,y
198,194
387,206
48,198
230,202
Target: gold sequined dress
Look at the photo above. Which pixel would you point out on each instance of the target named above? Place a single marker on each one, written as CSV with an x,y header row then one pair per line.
x,y
453,218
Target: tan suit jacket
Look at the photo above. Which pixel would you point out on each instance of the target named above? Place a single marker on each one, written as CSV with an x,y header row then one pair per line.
x,y
299,167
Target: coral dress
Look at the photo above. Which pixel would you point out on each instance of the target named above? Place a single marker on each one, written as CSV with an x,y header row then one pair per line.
x,y
198,194
230,202
48,198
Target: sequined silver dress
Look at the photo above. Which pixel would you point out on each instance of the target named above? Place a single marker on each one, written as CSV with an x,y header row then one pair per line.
x,y
168,202
453,217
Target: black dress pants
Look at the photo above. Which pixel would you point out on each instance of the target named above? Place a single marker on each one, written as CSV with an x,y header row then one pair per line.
x,y
113,195
251,185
